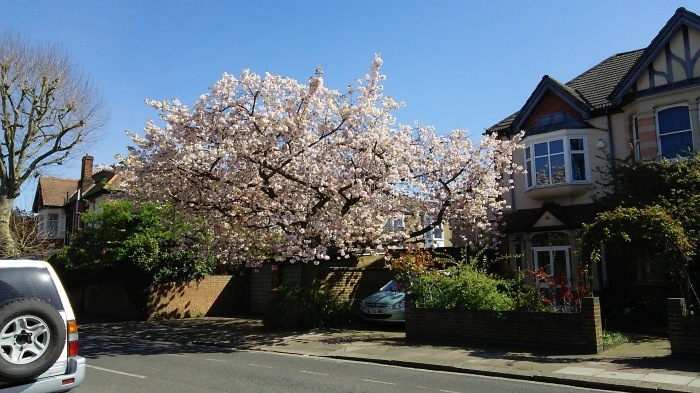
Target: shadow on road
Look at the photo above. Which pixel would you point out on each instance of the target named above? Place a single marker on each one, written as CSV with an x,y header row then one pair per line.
x,y
216,335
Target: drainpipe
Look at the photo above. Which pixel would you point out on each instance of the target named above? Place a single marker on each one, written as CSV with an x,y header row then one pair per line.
x,y
610,136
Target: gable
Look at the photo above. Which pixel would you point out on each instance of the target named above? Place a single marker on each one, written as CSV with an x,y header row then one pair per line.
x,y
678,62
53,192
671,60
548,220
550,103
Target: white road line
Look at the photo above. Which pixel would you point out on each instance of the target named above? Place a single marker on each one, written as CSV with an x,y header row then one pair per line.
x,y
438,390
116,372
382,382
175,354
259,365
217,360
311,372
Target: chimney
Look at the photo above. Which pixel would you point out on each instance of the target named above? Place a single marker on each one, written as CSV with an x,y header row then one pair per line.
x,y
86,174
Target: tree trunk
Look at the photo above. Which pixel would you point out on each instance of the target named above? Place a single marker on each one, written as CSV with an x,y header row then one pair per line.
x,y
8,246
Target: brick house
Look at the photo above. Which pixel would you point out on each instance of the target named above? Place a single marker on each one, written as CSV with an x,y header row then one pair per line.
x,y
641,104
58,201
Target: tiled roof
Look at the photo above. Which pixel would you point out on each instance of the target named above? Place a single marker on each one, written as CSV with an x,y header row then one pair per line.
x,y
54,191
591,88
105,181
596,84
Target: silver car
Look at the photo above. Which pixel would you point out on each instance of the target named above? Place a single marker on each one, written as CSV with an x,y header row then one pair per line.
x,y
387,305
38,332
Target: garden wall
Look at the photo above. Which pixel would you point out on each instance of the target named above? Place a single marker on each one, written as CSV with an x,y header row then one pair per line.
x,y
354,283
211,296
563,332
105,300
683,330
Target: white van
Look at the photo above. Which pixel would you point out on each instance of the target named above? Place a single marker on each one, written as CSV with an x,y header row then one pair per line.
x,y
38,331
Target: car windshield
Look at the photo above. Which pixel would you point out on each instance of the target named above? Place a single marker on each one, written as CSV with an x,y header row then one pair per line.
x,y
393,286
32,282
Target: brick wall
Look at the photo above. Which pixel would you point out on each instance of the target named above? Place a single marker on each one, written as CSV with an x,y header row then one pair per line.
x,y
549,103
566,332
212,296
683,330
354,283
105,301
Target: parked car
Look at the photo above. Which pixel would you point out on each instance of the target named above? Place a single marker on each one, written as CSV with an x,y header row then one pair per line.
x,y
387,305
38,331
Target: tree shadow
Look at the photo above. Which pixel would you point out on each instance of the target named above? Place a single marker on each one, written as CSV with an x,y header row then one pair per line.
x,y
216,335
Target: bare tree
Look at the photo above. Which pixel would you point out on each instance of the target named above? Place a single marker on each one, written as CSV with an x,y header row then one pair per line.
x,y
28,239
47,110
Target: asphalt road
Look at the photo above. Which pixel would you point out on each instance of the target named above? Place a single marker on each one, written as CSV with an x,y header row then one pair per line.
x,y
131,365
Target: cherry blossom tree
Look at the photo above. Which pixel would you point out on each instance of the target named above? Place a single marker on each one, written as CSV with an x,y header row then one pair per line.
x,y
280,169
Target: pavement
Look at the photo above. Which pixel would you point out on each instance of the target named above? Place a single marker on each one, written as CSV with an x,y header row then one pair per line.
x,y
643,364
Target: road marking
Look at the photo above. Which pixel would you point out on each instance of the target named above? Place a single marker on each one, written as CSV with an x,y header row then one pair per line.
x,y
217,360
175,354
439,390
382,382
116,372
311,372
259,365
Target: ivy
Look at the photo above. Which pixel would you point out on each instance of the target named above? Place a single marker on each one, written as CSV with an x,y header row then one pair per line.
x,y
650,206
647,230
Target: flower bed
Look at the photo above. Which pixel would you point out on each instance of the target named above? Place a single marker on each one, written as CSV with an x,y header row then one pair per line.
x,y
683,330
579,332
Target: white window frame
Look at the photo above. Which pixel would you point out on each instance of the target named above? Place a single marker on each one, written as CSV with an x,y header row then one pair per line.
x,y
551,250
395,224
637,145
431,237
658,129
53,224
566,137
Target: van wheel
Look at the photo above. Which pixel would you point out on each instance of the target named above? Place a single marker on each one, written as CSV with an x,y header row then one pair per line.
x,y
32,337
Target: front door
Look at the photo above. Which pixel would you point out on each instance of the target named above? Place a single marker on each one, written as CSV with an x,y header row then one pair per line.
x,y
554,260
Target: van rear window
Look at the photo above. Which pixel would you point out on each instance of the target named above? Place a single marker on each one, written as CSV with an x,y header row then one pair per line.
x,y
33,282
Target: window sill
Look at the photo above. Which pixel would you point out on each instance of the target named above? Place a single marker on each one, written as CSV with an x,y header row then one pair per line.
x,y
558,191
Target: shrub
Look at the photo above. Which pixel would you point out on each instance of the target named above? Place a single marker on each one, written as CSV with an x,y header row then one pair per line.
x,y
539,291
463,287
148,239
295,307
464,284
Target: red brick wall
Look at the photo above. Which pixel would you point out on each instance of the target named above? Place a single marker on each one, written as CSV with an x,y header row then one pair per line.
x,y
354,283
104,300
550,103
683,330
211,296
566,332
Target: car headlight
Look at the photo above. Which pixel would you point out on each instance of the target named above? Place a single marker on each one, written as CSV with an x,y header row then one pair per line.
x,y
401,304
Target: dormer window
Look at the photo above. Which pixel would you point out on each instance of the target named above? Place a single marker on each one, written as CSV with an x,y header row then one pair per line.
x,y
556,161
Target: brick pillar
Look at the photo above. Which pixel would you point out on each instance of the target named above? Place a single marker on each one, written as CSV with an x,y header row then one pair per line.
x,y
411,322
591,324
675,309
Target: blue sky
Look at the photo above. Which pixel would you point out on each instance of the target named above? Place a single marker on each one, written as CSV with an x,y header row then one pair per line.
x,y
456,64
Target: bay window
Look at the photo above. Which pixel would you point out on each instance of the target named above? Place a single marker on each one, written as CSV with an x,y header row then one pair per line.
x,y
556,161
